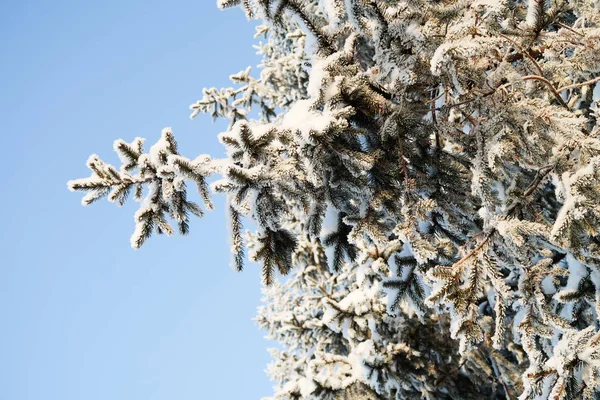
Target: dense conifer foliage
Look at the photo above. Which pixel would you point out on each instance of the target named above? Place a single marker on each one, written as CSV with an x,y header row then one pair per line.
x,y
427,172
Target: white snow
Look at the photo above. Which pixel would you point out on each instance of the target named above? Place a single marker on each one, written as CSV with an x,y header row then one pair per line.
x,y
159,147
301,117
577,271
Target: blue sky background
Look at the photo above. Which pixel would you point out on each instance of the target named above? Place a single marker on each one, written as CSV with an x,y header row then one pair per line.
x,y
83,315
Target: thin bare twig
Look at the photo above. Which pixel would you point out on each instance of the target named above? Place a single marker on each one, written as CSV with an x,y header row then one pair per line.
x,y
568,28
476,249
550,86
525,52
449,106
577,85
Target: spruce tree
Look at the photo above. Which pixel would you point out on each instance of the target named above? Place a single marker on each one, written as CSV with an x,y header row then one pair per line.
x,y
427,172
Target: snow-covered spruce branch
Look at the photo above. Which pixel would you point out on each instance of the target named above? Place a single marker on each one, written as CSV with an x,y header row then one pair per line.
x,y
431,182
162,171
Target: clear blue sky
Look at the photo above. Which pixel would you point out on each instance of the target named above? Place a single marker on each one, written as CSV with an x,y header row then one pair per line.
x,y
83,316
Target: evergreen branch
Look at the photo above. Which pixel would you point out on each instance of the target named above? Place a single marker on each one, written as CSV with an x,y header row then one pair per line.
x,y
541,174
451,192
535,15
237,244
324,42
